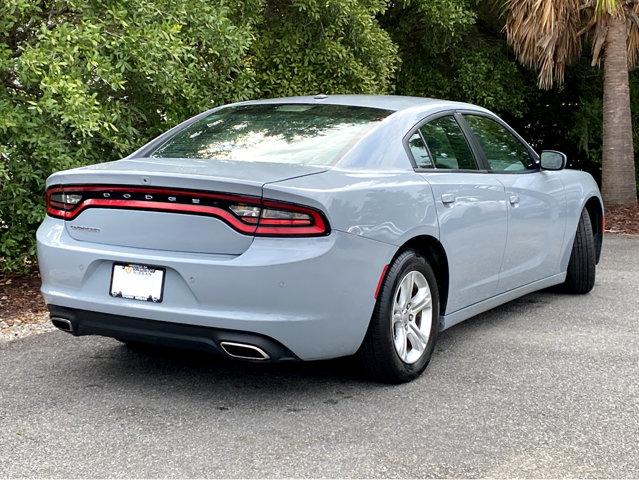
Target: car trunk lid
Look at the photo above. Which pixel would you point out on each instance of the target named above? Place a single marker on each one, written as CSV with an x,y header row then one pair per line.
x,y
169,204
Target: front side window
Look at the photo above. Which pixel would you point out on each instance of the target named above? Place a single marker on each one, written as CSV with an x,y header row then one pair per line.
x,y
295,133
504,152
448,145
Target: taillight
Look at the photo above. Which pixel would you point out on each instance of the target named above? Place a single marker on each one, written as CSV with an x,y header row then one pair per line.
x,y
278,218
248,215
60,203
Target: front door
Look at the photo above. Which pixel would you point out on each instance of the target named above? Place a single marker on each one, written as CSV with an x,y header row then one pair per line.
x,y
535,201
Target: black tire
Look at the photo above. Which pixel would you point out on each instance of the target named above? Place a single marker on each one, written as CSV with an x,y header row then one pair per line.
x,y
377,353
580,278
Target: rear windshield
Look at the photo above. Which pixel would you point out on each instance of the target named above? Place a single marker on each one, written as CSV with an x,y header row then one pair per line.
x,y
282,133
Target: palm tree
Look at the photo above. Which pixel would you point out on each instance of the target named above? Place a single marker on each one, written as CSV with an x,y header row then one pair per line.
x,y
547,35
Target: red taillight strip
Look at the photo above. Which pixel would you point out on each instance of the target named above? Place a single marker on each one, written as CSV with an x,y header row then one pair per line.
x,y
280,221
250,225
290,231
160,207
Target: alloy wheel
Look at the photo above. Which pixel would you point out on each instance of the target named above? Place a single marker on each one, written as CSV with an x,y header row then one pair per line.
x,y
412,317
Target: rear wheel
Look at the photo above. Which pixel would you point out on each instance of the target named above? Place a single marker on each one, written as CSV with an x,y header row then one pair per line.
x,y
580,277
404,326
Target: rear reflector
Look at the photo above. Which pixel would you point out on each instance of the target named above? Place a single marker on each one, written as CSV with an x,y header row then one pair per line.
x,y
380,281
246,214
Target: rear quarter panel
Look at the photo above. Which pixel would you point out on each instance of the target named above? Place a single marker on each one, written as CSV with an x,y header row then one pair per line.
x,y
373,190
389,207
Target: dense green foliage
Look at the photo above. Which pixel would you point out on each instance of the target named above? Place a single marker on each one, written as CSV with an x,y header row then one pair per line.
x,y
85,81
449,50
332,46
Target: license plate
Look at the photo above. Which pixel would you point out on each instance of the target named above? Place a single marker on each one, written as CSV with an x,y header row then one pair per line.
x,y
137,282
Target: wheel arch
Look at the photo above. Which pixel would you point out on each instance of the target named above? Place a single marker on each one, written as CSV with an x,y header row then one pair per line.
x,y
595,211
434,252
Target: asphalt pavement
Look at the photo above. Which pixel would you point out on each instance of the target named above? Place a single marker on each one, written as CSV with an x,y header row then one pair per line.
x,y
545,386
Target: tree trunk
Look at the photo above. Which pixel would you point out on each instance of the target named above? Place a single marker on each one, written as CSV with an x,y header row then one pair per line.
x,y
618,169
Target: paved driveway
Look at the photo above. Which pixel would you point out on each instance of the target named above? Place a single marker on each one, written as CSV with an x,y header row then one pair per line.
x,y
545,386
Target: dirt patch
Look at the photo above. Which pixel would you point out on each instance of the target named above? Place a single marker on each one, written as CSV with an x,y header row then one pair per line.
x,y
20,300
622,220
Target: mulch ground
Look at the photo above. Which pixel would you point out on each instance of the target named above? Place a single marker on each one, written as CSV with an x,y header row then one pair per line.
x,y
21,302
622,220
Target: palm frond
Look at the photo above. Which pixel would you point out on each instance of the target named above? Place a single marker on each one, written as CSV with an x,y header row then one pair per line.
x,y
597,28
607,7
596,15
633,34
545,35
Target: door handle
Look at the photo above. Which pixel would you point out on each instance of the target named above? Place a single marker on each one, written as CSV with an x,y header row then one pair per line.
x,y
448,198
514,199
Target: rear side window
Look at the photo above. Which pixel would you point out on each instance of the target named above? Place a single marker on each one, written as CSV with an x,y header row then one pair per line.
x,y
419,151
504,152
448,145
294,133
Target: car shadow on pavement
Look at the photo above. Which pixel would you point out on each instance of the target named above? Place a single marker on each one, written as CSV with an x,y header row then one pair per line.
x,y
145,367
507,312
211,372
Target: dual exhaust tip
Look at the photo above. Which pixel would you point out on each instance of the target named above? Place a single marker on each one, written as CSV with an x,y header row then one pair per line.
x,y
242,351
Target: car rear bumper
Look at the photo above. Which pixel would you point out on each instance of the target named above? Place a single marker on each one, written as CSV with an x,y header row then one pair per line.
x,y
314,296
170,334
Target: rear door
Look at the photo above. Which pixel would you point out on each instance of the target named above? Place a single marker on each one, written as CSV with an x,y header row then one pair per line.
x,y
471,209
536,203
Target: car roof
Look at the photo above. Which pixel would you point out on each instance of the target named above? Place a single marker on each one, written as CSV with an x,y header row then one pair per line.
x,y
387,102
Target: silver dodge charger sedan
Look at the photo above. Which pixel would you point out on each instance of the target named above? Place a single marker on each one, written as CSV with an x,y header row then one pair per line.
x,y
311,228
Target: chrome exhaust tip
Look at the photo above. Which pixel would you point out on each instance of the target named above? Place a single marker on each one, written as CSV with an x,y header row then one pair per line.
x,y
62,324
244,351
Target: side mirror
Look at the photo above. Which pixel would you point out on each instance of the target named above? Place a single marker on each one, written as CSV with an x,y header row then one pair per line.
x,y
553,160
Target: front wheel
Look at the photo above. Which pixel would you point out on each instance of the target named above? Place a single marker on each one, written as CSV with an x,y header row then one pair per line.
x,y
404,326
580,277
